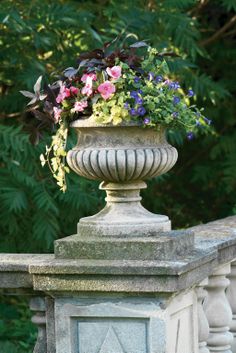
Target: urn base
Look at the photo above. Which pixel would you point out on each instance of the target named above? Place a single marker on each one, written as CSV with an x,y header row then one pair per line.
x,y
123,215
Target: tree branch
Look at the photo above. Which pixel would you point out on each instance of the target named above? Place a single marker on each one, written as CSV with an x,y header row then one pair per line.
x,y
195,11
219,33
12,115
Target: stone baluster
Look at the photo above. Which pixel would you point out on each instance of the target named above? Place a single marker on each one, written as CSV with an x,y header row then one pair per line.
x,y
37,304
203,326
218,312
231,294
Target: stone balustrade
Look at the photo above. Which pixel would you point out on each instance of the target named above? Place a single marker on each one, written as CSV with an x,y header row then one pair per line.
x,y
162,296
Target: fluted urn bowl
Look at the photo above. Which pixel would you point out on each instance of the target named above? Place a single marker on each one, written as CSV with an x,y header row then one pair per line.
x,y
122,157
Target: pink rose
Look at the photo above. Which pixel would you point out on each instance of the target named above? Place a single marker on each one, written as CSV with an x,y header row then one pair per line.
x,y
80,106
74,90
57,114
64,93
114,72
91,75
106,89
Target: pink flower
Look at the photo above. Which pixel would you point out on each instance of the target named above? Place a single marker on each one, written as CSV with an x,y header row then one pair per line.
x,y
64,93
114,72
106,89
88,88
74,90
91,75
57,114
80,106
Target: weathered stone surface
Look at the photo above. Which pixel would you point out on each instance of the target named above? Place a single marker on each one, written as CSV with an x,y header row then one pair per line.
x,y
118,305
14,269
220,235
122,157
20,262
134,325
81,275
164,246
125,267
123,276
37,305
50,324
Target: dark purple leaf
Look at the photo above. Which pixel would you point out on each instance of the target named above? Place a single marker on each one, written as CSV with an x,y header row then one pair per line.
x,y
70,72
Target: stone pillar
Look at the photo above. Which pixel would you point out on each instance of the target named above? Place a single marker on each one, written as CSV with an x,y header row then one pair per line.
x,y
135,324
203,326
231,294
37,304
218,311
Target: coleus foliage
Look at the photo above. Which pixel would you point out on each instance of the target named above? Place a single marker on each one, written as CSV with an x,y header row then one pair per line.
x,y
112,84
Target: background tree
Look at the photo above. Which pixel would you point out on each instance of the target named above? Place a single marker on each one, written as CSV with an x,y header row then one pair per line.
x,y
38,37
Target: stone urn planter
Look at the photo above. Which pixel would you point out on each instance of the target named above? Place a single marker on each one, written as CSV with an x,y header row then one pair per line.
x,y
122,157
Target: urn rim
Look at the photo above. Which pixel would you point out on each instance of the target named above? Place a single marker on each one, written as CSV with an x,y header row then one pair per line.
x,y
90,122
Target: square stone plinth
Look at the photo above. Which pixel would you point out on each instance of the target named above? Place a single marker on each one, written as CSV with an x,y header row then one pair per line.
x,y
166,245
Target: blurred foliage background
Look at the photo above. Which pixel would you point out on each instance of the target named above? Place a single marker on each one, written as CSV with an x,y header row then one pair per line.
x,y
38,37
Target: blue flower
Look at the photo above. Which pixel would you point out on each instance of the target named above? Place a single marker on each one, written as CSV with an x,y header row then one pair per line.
x,y
175,114
159,78
190,93
141,111
208,121
176,100
136,79
134,94
190,135
174,85
138,100
146,120
126,105
133,112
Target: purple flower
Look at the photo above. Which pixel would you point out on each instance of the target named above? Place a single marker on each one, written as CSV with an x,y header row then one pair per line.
x,y
176,100
133,112
190,93
141,111
150,76
158,78
138,100
208,121
134,94
174,85
126,105
175,114
146,120
136,79
190,135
